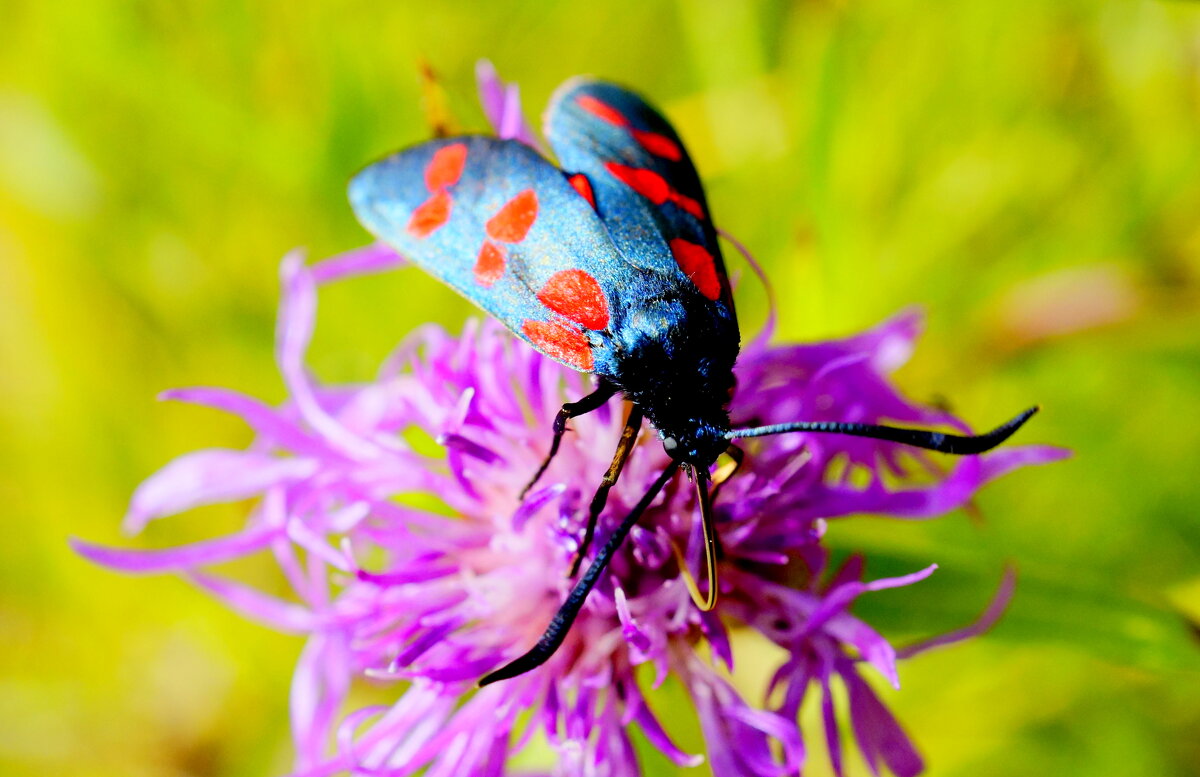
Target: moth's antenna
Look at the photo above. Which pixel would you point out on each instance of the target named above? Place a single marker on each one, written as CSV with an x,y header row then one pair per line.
x,y
556,632
768,327
918,438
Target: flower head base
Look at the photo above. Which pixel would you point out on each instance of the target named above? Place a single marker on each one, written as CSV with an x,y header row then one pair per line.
x,y
391,588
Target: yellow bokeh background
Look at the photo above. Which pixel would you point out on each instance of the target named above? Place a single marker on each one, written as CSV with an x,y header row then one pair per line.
x,y
1028,172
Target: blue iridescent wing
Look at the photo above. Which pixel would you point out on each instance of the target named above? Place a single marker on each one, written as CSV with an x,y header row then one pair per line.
x,y
507,229
644,185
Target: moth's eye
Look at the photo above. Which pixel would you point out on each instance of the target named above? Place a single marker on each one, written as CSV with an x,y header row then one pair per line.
x,y
670,444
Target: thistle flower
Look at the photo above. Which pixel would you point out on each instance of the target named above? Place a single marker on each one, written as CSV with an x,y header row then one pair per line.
x,y
430,600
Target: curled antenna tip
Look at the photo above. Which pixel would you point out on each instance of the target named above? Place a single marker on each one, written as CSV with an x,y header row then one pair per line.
x,y
1025,416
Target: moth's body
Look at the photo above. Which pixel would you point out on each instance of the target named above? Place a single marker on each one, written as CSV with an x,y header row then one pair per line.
x,y
678,369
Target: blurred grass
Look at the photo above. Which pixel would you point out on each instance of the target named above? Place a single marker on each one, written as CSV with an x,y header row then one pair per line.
x,y
1028,172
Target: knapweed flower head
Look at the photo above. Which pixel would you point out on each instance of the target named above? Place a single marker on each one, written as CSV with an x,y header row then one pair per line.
x,y
390,590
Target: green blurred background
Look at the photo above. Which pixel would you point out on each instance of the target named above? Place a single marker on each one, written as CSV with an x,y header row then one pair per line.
x,y
1029,172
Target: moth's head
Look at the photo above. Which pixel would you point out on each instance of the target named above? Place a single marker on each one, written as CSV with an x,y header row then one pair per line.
x,y
695,442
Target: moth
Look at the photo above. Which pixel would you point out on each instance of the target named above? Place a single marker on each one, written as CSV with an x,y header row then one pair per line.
x,y
608,262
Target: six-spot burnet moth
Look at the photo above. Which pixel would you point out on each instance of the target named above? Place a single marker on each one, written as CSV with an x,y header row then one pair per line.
x,y
607,262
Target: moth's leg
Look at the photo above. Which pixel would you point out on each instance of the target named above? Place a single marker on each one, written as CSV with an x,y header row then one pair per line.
x,y
604,392
633,424
556,632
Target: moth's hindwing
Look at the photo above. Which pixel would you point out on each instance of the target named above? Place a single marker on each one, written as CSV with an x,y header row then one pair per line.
x,y
644,185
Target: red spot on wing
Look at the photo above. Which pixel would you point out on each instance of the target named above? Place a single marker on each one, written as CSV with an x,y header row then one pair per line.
x,y
645,182
601,110
430,215
512,222
698,264
659,145
688,204
489,266
446,166
559,341
582,185
577,296
653,187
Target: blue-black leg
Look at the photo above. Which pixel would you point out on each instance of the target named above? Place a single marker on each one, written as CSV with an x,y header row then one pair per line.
x,y
561,624
604,392
633,425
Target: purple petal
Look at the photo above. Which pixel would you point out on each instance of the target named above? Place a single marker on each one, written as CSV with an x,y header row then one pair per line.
x,y
870,644
423,643
917,503
271,611
502,105
470,448
177,558
840,597
739,738
510,118
348,727
892,341
718,638
316,545
958,489
419,713
878,733
409,574
629,627
653,730
265,420
370,259
851,571
534,502
451,741
833,736
210,477
985,621
318,687
491,91
294,331
1001,462
783,731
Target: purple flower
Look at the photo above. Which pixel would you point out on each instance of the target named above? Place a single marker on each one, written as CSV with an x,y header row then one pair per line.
x,y
393,511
